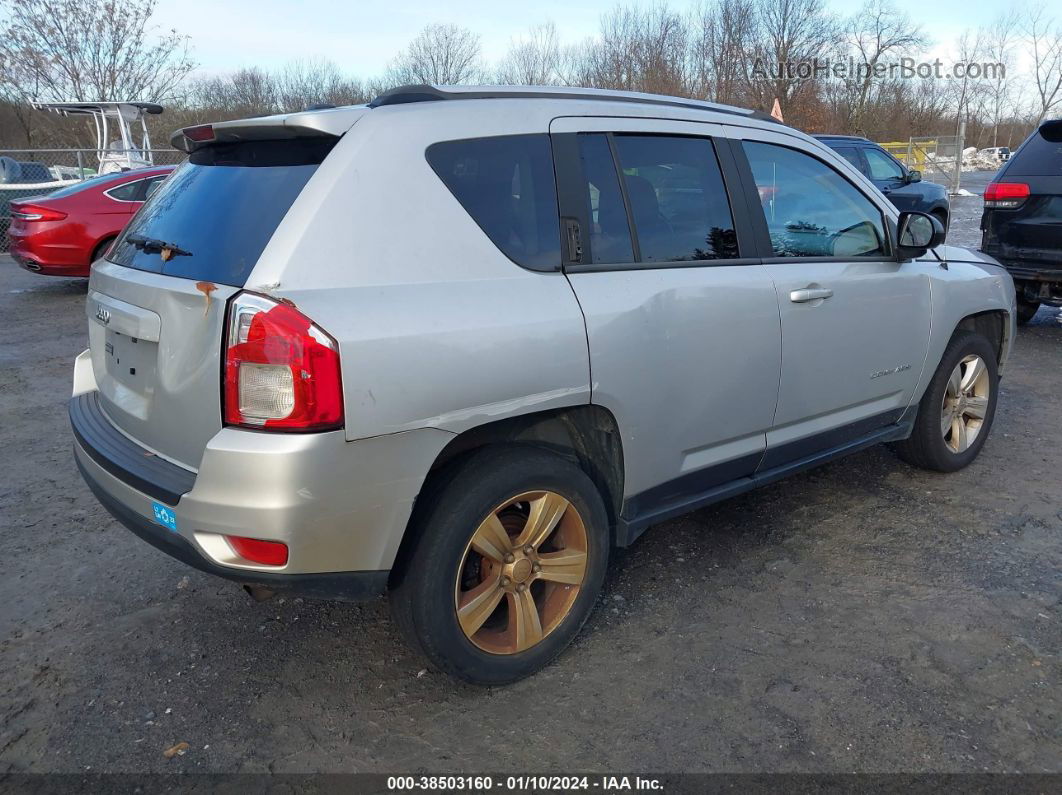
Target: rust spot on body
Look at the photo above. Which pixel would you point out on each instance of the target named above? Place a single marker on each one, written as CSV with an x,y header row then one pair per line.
x,y
206,288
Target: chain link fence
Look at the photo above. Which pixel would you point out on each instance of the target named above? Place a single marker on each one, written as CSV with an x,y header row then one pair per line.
x,y
938,157
38,172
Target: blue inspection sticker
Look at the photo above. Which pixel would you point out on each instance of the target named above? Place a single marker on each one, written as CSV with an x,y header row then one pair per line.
x,y
165,516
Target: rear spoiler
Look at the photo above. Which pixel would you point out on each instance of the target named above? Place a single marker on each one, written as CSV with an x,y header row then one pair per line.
x,y
329,123
1052,131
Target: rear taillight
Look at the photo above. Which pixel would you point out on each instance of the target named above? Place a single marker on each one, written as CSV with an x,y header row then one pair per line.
x,y
33,212
281,370
200,134
1006,195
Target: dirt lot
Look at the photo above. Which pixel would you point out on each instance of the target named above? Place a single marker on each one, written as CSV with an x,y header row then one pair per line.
x,y
862,617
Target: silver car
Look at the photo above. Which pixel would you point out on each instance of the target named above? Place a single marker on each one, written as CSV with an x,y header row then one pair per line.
x,y
456,345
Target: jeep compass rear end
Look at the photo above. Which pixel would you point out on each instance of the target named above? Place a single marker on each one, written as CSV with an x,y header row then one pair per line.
x,y
210,419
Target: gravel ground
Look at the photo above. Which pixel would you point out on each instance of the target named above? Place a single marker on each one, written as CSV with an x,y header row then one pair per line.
x,y
861,617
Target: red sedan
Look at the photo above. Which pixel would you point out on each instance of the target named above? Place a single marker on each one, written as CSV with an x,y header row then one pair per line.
x,y
63,233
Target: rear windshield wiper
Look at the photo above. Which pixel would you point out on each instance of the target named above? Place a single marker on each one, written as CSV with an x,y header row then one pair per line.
x,y
151,245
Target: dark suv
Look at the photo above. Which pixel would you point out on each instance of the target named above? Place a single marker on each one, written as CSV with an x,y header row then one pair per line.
x,y
1022,221
903,187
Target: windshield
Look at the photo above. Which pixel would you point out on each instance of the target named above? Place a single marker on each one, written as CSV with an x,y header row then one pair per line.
x,y
214,215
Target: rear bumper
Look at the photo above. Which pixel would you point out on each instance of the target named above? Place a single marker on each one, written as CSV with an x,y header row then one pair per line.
x,y
1032,273
32,262
51,250
1030,265
340,507
1038,282
347,585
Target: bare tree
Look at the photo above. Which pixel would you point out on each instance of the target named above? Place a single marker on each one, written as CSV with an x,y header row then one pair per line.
x,y
878,30
789,32
969,94
316,81
640,50
721,36
534,60
439,55
245,92
1043,34
1001,38
90,50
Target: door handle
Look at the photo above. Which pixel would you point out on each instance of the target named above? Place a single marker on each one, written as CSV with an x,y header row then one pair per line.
x,y
809,294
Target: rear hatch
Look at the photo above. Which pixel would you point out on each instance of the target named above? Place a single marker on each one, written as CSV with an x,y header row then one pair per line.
x,y
156,307
1022,221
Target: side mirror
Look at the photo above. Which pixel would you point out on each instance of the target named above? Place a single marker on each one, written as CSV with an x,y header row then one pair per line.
x,y
914,176
917,233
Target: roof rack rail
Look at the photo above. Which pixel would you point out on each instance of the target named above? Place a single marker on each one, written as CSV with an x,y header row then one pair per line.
x,y
426,93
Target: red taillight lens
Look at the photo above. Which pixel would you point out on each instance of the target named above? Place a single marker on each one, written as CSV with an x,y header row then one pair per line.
x,y
281,370
1006,195
34,212
204,132
268,553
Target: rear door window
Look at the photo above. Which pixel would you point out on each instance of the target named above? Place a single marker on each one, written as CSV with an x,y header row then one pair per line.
x,y
677,198
851,154
217,211
610,233
506,184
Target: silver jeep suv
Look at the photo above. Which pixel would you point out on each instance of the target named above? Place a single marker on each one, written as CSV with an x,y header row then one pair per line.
x,y
457,344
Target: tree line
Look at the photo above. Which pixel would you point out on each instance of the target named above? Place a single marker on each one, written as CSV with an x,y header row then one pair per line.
x,y
739,52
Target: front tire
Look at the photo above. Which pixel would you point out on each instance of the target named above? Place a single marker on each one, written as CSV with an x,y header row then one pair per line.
x,y
957,409
511,555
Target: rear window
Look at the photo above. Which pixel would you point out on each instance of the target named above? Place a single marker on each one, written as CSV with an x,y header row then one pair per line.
x,y
506,184
1037,157
218,210
77,187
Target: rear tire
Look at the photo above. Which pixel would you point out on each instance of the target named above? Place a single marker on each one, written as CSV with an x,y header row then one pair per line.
x,y
101,249
511,552
957,409
1027,310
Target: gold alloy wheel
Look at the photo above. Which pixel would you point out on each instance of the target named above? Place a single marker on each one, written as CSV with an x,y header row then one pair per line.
x,y
521,572
965,403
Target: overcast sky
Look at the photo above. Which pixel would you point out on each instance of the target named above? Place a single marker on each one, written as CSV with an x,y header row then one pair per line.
x,y
362,37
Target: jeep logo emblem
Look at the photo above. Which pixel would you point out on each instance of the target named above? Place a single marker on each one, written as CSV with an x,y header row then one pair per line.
x,y
102,315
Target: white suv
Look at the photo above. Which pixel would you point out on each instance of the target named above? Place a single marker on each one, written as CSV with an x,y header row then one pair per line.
x,y
458,344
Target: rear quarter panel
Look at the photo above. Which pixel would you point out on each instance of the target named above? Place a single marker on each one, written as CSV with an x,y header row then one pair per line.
x,y
436,327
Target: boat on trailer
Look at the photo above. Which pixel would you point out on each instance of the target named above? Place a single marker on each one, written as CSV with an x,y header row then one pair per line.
x,y
130,148
114,118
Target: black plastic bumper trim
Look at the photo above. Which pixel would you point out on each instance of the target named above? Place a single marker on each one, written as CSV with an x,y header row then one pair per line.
x,y
352,586
119,455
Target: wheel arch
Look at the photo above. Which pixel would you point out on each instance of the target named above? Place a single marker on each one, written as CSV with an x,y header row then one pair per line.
x,y
100,248
992,324
587,435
